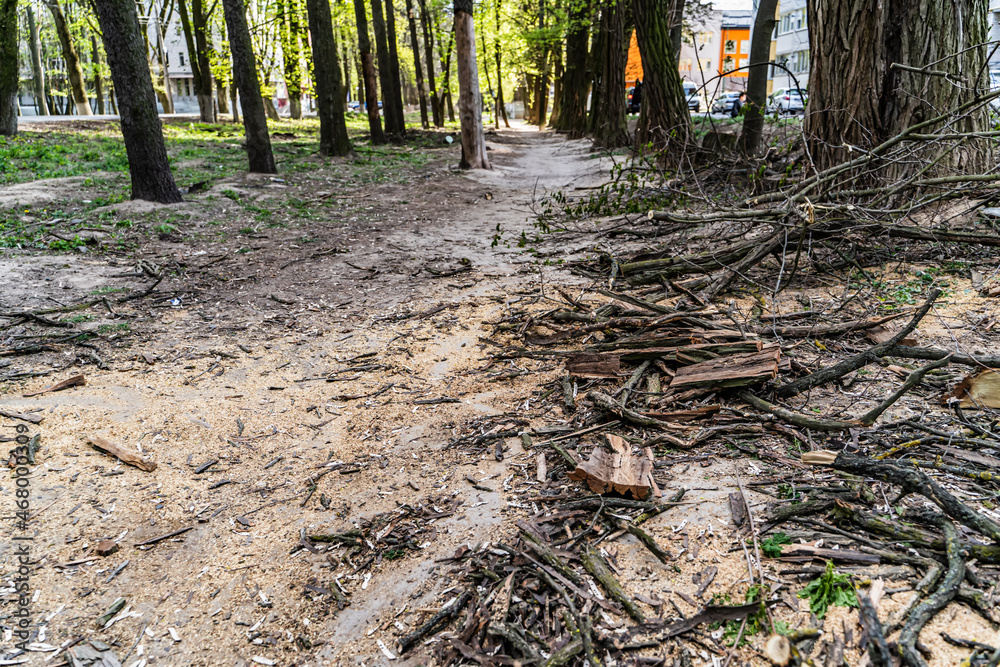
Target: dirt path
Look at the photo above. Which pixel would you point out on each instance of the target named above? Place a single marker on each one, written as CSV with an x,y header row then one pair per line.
x,y
234,373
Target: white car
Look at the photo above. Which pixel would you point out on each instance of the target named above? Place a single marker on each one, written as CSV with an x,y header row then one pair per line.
x,y
786,100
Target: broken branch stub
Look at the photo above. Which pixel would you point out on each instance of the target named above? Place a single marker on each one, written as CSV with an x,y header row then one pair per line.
x,y
120,453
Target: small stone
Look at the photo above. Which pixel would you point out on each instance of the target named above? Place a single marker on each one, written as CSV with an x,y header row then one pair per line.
x,y
106,548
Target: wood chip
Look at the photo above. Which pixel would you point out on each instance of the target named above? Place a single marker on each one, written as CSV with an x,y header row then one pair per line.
x,y
120,453
616,470
75,381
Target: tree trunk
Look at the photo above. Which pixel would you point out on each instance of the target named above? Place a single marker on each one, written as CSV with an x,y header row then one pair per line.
x,y
368,72
760,57
37,72
203,82
393,124
668,121
542,91
556,87
234,101
9,73
72,58
95,68
470,106
677,26
575,83
290,13
418,68
327,79
222,95
397,87
610,122
501,109
447,78
856,99
425,24
245,77
148,165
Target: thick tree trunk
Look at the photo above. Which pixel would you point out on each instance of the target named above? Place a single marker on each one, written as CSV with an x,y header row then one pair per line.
x,y
542,90
72,58
37,71
327,78
234,101
368,73
394,127
425,24
397,87
760,57
291,52
147,155
418,68
677,25
95,69
610,122
501,108
668,121
857,100
245,77
575,83
9,74
469,101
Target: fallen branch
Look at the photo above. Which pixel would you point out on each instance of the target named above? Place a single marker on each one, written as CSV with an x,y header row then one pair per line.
x,y
912,380
837,371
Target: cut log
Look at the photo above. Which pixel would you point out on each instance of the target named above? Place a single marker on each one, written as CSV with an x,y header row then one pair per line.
x,y
120,453
736,370
593,366
981,390
616,470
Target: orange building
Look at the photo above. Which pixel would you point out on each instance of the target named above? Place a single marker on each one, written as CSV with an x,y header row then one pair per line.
x,y
734,52
633,67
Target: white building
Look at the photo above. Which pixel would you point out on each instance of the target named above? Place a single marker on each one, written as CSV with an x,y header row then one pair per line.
x,y
994,21
791,45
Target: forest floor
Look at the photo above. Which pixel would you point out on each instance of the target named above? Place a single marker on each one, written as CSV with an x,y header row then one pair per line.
x,y
303,354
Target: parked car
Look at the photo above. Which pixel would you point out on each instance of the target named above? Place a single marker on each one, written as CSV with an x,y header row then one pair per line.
x,y
355,105
691,95
786,100
633,101
724,102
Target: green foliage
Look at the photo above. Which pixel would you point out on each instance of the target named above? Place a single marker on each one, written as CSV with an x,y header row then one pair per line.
x,y
771,545
755,623
829,589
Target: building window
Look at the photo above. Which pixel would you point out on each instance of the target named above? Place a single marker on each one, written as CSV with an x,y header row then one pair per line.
x,y
703,38
730,46
181,55
684,65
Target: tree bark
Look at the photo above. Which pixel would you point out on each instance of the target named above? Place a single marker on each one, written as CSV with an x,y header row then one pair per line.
x,y
291,53
203,82
327,78
72,58
557,72
760,57
469,101
9,74
668,122
856,99
393,124
575,83
245,77
610,123
95,68
368,72
425,23
222,95
447,78
397,87
418,68
501,108
37,72
148,165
